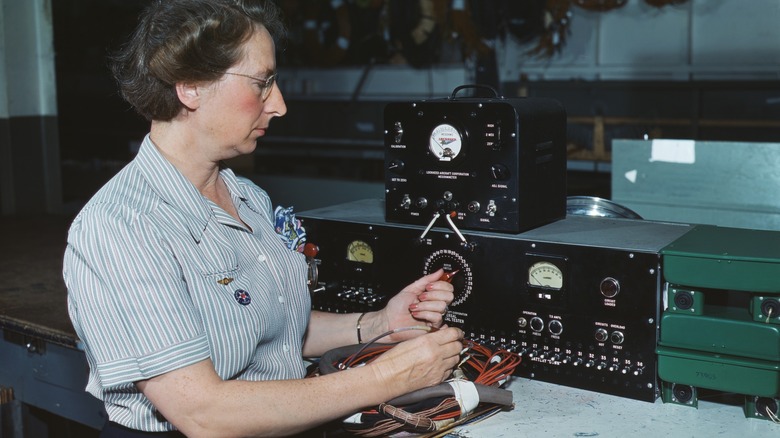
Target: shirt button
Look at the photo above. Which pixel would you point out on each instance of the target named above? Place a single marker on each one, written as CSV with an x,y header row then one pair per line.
x,y
281,299
285,347
261,258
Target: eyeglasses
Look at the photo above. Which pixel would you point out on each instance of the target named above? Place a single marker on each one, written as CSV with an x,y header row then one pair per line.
x,y
265,84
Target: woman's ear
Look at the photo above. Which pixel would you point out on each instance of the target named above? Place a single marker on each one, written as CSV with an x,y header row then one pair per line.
x,y
189,94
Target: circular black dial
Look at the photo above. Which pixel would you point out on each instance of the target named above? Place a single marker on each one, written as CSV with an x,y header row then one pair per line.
x,y
450,261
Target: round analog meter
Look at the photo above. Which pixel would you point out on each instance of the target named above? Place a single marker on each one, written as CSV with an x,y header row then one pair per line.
x,y
360,251
445,142
545,274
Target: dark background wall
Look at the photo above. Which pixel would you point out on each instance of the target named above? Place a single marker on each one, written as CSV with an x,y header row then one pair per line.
x,y
336,135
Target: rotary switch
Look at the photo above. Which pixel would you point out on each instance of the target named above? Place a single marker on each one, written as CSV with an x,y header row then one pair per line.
x,y
499,172
396,166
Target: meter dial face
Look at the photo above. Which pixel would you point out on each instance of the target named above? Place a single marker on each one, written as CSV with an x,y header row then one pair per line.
x,y
545,274
450,261
360,251
445,142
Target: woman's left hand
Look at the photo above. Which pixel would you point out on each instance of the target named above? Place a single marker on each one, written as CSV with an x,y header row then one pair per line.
x,y
424,302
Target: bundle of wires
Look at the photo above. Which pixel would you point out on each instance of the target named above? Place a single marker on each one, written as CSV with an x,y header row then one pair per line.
x,y
476,382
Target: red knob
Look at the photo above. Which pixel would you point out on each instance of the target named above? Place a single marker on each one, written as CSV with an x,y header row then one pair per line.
x,y
310,250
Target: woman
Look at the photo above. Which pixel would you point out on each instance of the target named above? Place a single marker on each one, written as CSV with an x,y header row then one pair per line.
x,y
194,314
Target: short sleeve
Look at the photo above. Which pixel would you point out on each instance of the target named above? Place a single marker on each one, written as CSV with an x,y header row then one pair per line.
x,y
127,296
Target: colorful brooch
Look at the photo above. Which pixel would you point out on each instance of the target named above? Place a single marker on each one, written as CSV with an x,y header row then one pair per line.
x,y
289,228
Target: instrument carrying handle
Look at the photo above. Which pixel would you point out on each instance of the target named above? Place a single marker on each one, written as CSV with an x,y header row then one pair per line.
x,y
480,86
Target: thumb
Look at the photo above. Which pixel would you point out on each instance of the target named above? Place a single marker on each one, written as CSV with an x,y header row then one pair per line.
x,y
419,285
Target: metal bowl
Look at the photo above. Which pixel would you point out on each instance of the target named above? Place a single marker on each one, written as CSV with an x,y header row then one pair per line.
x,y
594,206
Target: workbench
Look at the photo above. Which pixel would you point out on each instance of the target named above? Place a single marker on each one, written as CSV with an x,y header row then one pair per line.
x,y
42,364
548,410
42,360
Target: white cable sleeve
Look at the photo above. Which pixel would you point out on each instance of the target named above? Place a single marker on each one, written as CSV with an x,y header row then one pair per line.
x,y
466,394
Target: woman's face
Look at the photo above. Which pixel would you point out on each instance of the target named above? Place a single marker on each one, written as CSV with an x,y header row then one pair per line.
x,y
233,112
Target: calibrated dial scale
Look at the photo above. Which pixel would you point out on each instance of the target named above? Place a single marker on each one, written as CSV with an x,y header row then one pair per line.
x,y
450,261
360,251
545,274
446,142
546,278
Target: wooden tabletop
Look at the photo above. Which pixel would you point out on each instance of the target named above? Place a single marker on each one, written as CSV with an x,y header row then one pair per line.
x,y
33,298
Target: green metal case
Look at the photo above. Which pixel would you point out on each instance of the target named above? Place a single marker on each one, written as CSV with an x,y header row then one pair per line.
x,y
723,330
720,328
725,258
734,374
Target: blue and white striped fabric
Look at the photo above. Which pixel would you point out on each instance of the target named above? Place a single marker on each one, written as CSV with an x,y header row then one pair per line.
x,y
160,278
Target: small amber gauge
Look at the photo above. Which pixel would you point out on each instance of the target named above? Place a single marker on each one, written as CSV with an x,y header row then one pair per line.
x,y
360,251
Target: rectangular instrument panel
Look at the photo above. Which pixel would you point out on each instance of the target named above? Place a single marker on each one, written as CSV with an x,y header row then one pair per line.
x,y
577,298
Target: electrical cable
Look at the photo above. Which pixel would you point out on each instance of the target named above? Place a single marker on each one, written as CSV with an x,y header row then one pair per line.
x,y
455,228
430,224
475,382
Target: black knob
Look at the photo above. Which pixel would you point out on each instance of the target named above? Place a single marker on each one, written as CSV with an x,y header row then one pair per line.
x,y
770,307
609,287
499,172
537,324
556,327
396,166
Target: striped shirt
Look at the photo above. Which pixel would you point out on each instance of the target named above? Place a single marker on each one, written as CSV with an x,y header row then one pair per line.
x,y
160,278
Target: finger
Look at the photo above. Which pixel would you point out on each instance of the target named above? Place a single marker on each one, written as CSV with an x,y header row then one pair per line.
x,y
447,334
431,319
423,283
439,286
443,295
436,306
432,277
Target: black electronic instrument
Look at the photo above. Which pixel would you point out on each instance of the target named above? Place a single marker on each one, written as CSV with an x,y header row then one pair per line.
x,y
494,164
578,298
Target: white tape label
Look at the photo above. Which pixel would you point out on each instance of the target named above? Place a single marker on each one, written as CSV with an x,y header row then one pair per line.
x,y
674,151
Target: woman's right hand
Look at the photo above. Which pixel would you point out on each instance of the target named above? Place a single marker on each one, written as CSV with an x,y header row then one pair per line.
x,y
420,362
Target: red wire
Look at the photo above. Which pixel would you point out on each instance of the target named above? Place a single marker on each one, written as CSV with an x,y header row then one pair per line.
x,y
490,368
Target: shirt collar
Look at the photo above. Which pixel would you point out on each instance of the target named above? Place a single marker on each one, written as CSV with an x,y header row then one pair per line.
x,y
173,188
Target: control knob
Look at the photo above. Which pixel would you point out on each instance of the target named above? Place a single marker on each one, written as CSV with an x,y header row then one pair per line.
x,y
617,337
601,335
609,287
556,327
491,208
398,132
406,202
396,166
537,324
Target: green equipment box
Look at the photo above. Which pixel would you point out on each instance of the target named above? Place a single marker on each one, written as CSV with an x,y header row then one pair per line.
x,y
734,374
725,258
721,330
